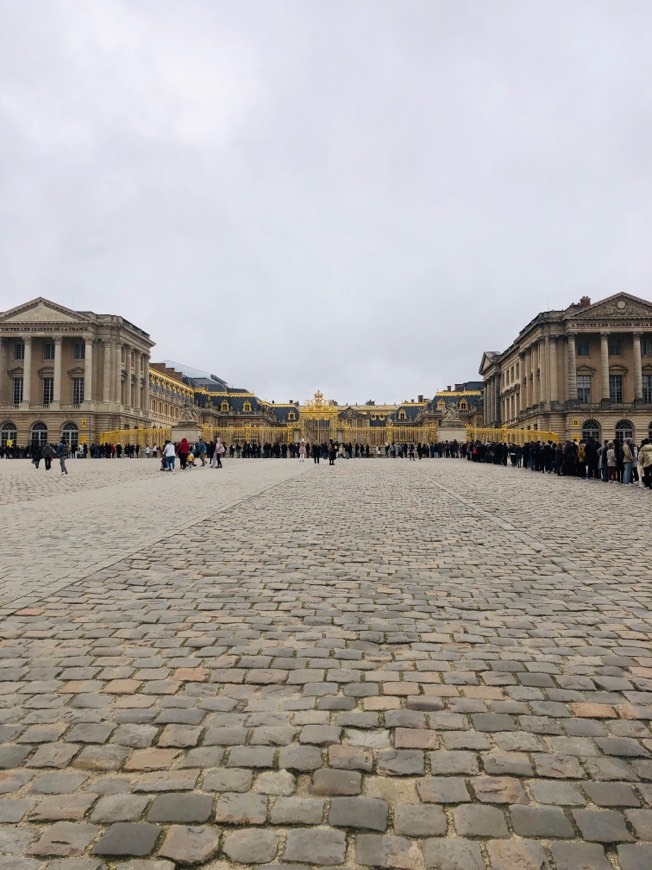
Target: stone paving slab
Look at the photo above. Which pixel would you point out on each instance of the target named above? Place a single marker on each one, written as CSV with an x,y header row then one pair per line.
x,y
382,664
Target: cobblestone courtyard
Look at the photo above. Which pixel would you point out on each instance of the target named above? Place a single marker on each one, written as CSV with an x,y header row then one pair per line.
x,y
382,664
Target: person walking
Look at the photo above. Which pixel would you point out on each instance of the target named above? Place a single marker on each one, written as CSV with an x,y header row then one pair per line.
x,y
36,455
169,453
47,453
302,450
62,453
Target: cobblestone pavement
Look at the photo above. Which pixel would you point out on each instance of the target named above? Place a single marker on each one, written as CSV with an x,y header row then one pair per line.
x,y
382,664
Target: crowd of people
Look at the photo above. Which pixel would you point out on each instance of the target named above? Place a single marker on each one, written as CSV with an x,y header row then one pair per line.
x,y
610,461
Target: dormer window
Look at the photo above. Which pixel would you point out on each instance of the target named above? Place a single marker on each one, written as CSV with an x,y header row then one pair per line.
x,y
246,408
292,416
463,405
401,415
224,406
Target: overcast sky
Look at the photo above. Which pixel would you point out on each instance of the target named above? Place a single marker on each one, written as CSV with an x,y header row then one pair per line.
x,y
359,196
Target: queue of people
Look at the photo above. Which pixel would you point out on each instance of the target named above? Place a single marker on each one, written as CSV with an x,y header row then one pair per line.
x,y
610,461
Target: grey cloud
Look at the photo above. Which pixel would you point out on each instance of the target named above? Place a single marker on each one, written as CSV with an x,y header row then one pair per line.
x,y
360,197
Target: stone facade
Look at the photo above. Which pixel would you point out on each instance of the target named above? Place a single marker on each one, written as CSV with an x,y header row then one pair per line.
x,y
68,372
168,395
583,371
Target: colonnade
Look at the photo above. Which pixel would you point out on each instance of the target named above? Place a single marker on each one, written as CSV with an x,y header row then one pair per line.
x,y
124,373
539,383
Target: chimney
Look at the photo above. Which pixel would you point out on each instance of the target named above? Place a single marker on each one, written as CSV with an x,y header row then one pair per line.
x,y
585,301
458,388
448,389
421,398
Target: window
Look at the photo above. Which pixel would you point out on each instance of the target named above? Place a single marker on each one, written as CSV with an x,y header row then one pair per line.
x,y
624,430
291,416
48,351
224,406
401,415
591,429
582,346
8,434
39,434
616,388
584,389
646,345
80,350
647,389
247,408
615,347
70,434
20,350
48,390
463,405
77,391
18,391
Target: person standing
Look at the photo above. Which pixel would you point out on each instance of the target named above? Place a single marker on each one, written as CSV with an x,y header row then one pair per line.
x,y
302,450
182,452
62,453
628,459
645,461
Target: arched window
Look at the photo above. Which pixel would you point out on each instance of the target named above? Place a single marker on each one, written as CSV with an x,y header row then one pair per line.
x,y
591,429
70,434
224,406
247,408
624,430
292,416
401,415
463,405
441,405
8,433
39,434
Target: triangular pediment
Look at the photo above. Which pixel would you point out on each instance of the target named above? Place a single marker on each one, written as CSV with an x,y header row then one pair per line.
x,y
42,310
620,306
488,360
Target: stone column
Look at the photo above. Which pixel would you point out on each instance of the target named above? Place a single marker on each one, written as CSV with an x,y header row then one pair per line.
x,y
544,362
106,386
137,359
535,374
88,370
572,367
488,399
638,367
27,371
4,365
146,409
554,375
604,358
498,386
58,353
117,362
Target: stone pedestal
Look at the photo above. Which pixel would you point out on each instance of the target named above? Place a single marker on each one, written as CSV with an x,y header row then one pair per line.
x,y
186,429
454,432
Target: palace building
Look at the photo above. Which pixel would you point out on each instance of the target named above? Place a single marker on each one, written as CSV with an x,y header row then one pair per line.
x,y
88,378
70,373
582,372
